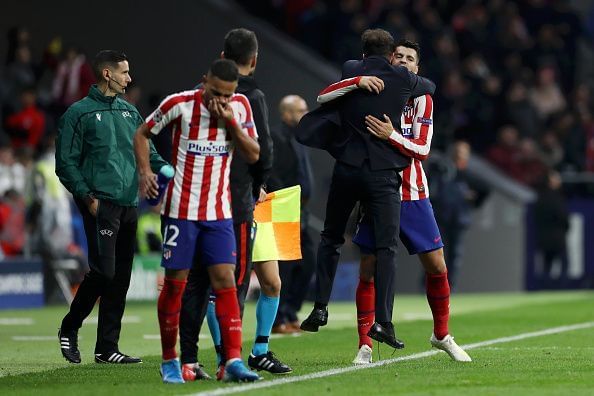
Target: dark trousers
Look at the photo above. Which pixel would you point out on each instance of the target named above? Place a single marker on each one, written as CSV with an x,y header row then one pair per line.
x,y
110,237
295,277
454,236
378,191
195,297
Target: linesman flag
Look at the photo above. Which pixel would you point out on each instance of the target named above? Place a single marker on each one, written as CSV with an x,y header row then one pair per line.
x,y
278,236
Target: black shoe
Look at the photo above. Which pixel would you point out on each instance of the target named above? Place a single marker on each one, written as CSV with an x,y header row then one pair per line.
x,y
116,358
69,346
268,362
318,317
385,333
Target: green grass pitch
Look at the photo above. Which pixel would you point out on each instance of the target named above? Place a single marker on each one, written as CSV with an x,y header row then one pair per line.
x,y
556,364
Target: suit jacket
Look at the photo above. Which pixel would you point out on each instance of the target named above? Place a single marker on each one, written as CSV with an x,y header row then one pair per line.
x,y
340,129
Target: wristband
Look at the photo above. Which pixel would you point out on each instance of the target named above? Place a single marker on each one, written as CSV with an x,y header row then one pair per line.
x,y
231,123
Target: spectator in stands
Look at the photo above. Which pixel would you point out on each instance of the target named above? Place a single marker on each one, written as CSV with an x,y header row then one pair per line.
x,y
455,194
73,78
27,125
12,173
12,223
546,95
504,154
292,167
552,223
20,74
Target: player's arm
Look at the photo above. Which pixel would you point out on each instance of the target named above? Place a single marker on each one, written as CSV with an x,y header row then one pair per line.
x,y
245,142
143,150
262,169
422,130
338,89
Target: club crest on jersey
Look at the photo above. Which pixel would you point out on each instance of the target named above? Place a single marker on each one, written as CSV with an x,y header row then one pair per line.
x,y
209,148
98,115
158,116
166,254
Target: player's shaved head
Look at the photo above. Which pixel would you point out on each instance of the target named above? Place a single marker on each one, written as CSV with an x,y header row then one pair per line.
x,y
224,69
291,109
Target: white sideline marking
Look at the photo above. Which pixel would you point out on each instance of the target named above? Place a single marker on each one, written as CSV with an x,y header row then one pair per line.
x,y
16,321
342,370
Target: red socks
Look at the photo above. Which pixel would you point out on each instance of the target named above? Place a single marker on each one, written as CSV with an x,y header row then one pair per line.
x,y
438,296
365,311
168,307
227,311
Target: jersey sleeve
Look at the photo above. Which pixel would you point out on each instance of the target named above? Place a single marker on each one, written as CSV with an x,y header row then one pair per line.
x,y
168,110
245,117
422,129
338,89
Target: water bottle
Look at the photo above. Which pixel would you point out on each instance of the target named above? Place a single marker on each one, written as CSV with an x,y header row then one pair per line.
x,y
165,174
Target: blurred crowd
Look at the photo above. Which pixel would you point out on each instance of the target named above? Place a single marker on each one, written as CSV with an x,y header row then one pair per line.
x,y
37,216
512,76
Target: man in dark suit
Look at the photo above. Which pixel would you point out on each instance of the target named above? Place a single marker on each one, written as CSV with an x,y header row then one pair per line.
x,y
366,170
291,166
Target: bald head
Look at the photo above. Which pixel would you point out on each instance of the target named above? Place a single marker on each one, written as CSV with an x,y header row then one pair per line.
x,y
291,109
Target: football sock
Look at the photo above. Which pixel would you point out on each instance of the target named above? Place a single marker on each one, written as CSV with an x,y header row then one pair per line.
x,y
227,311
168,307
365,298
266,309
215,330
438,296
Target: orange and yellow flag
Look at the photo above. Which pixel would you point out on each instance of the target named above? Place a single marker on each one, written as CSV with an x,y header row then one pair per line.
x,y
278,236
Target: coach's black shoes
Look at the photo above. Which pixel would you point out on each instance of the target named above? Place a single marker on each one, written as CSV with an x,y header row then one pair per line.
x,y
116,358
268,362
318,317
384,332
69,346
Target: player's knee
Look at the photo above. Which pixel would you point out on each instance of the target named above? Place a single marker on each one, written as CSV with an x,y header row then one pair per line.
x,y
271,287
434,262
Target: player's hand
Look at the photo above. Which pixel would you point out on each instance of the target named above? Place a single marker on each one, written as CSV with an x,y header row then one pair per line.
x,y
262,196
220,109
93,205
147,184
379,128
371,83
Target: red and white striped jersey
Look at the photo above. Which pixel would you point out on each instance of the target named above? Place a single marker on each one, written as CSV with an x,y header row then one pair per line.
x,y
415,141
202,154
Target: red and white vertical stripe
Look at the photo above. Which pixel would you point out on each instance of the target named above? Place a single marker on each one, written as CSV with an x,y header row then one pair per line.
x,y
202,154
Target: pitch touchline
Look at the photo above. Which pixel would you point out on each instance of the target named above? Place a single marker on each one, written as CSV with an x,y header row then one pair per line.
x,y
337,371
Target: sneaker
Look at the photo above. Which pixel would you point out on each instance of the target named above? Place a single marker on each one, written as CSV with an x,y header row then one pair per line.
x,y
451,348
194,372
171,372
69,346
116,358
363,356
237,372
268,362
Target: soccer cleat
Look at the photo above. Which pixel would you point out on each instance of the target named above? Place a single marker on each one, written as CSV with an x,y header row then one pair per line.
x,y
194,372
318,317
385,333
69,346
363,356
171,372
116,358
237,372
448,345
268,362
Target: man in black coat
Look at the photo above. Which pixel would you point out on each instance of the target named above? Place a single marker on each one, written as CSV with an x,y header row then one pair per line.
x,y
366,170
292,167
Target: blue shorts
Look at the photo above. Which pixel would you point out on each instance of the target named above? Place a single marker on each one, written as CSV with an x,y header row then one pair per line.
x,y
213,241
418,229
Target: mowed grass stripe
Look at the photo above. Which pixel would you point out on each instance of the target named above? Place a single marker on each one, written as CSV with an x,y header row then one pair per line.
x,y
343,370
